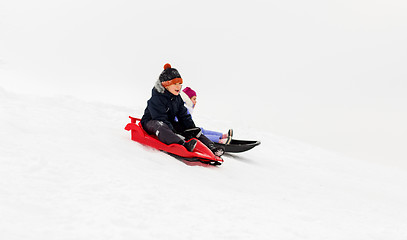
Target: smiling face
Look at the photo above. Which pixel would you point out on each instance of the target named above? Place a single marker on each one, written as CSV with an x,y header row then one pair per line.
x,y
174,88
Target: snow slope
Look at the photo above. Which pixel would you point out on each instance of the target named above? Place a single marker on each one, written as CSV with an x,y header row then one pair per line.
x,y
68,170
329,73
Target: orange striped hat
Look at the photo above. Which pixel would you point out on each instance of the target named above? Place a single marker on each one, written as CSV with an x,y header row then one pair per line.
x,y
170,76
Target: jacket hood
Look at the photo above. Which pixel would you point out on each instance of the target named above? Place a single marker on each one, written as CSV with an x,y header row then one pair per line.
x,y
159,87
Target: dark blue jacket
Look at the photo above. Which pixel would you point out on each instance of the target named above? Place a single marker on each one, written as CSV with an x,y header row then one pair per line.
x,y
164,106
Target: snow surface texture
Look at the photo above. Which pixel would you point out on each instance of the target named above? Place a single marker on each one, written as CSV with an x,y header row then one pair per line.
x,y
68,170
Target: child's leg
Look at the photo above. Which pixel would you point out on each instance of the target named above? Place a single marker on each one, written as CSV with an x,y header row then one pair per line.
x,y
163,132
213,138
212,135
218,151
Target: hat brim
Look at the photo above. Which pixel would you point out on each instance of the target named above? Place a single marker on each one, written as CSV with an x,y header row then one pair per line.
x,y
172,81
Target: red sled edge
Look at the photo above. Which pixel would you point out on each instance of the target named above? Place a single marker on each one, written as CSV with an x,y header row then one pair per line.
x,y
201,152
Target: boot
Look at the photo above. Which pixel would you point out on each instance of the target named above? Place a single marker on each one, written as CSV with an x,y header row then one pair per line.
x,y
218,151
192,133
225,140
190,146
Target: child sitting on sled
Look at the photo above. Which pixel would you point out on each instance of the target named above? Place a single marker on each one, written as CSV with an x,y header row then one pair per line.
x,y
189,97
166,105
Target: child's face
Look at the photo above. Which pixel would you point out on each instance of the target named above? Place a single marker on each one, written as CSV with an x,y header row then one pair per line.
x,y
193,99
174,88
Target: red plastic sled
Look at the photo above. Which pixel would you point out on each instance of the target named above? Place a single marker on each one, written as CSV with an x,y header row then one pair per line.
x,y
201,153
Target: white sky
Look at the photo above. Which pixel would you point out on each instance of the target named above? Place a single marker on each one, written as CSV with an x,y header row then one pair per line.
x,y
332,73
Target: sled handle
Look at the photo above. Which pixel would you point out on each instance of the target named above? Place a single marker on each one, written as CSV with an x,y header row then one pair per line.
x,y
134,120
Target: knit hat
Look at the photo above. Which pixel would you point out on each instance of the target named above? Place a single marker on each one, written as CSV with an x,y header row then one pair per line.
x,y
169,76
188,91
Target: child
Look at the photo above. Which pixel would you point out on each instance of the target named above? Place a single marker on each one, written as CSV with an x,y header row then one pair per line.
x,y
189,97
164,106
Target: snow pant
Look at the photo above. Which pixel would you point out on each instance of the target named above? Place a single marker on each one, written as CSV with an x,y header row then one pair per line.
x,y
212,135
168,136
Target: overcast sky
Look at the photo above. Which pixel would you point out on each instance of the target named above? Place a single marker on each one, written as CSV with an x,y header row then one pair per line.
x,y
331,73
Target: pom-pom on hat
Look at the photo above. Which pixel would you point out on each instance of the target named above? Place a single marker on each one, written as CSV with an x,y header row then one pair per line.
x,y
189,92
170,76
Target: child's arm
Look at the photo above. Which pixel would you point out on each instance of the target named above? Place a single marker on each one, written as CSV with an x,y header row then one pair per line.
x,y
185,118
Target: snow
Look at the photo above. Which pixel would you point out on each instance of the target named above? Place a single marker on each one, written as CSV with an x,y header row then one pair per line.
x,y
68,170
329,73
320,83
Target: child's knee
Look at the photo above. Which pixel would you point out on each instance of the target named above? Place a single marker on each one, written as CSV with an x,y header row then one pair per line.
x,y
154,126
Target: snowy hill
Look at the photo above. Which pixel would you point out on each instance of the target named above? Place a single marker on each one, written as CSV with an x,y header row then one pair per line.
x,y
68,170
329,73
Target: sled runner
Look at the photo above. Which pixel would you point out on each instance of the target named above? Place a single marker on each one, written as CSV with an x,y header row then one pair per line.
x,y
237,146
201,153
